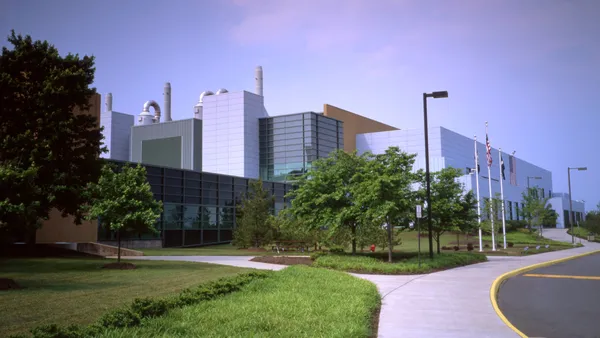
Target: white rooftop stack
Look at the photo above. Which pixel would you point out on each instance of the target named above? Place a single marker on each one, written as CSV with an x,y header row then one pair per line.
x,y
117,131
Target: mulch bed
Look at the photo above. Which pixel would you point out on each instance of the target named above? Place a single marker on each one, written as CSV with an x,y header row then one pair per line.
x,y
284,260
375,322
8,284
119,266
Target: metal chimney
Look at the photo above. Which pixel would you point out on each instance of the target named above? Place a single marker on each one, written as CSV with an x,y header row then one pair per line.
x,y
167,105
108,102
259,80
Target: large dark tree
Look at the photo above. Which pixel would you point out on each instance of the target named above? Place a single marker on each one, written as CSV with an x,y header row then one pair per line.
x,y
53,152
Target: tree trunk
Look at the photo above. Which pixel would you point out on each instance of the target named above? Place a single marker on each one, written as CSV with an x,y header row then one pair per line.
x,y
354,239
119,246
438,243
458,239
390,247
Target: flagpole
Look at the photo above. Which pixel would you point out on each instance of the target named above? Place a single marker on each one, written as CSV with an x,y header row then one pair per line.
x,y
501,163
491,196
478,200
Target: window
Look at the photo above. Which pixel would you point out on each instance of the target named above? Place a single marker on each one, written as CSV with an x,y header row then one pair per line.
x,y
510,210
517,209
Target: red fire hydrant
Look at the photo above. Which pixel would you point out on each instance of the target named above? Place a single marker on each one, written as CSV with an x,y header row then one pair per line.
x,y
372,247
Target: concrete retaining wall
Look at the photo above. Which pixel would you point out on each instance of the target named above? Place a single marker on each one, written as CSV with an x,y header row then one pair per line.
x,y
106,250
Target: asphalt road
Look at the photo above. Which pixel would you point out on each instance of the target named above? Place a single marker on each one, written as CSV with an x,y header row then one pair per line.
x,y
555,307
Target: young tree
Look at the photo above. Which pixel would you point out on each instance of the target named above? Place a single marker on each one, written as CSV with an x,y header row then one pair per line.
x,y
123,202
254,223
448,202
325,196
385,191
486,225
39,132
537,211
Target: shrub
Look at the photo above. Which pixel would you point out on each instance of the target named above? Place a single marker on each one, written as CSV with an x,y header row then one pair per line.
x,y
315,255
456,248
336,249
510,244
445,248
470,246
486,245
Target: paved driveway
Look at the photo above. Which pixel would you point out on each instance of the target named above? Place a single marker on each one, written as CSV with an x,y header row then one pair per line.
x,y
561,300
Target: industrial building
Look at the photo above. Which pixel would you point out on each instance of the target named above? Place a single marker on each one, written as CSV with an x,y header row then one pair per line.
x,y
450,149
200,166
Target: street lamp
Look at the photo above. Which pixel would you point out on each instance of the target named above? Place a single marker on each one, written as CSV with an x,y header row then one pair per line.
x,y
571,201
435,95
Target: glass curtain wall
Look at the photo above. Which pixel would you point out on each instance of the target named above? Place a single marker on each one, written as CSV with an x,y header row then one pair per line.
x,y
198,208
290,143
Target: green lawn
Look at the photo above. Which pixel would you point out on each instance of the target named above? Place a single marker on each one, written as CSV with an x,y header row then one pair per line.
x,y
410,243
403,263
295,302
211,250
79,291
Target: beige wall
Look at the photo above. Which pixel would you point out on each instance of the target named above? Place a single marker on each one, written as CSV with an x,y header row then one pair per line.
x,y
59,229
354,124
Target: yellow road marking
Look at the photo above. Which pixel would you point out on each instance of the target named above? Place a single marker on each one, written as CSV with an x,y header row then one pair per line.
x,y
561,276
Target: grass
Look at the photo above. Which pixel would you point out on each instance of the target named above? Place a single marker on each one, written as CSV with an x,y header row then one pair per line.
x,y
211,250
79,291
403,263
410,243
295,302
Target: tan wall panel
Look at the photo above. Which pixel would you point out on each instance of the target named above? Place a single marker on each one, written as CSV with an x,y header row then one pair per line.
x,y
354,124
59,229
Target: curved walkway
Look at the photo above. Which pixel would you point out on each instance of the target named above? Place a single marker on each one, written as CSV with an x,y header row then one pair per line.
x,y
451,303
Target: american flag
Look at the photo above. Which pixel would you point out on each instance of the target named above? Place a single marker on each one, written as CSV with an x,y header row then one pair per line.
x,y
488,150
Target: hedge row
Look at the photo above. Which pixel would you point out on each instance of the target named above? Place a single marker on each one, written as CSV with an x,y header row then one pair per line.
x,y
143,308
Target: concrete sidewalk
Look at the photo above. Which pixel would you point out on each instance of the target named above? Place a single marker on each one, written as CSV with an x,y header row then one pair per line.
x,y
456,302
451,303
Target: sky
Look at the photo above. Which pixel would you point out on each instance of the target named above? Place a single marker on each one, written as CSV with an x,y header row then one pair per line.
x,y
531,68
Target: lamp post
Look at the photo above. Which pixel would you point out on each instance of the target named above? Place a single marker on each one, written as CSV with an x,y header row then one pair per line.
x,y
435,95
571,201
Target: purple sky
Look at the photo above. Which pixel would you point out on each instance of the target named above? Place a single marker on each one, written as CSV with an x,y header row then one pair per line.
x,y
529,67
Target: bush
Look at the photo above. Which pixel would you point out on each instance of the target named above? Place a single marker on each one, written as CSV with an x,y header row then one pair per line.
x,y
510,244
315,255
148,308
336,249
470,246
456,248
445,248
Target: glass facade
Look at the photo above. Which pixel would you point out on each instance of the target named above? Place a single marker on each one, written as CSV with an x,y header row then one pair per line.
x,y
198,208
290,143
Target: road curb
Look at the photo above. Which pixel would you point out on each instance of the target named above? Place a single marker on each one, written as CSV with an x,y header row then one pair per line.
x,y
498,282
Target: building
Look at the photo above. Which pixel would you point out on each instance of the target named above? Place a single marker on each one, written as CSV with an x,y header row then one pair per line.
x,y
63,229
199,166
290,143
450,149
560,203
199,208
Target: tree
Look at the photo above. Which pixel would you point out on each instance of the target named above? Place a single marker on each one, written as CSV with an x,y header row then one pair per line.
x,y
486,225
254,224
537,211
467,214
385,191
40,135
123,201
448,202
325,196
592,221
